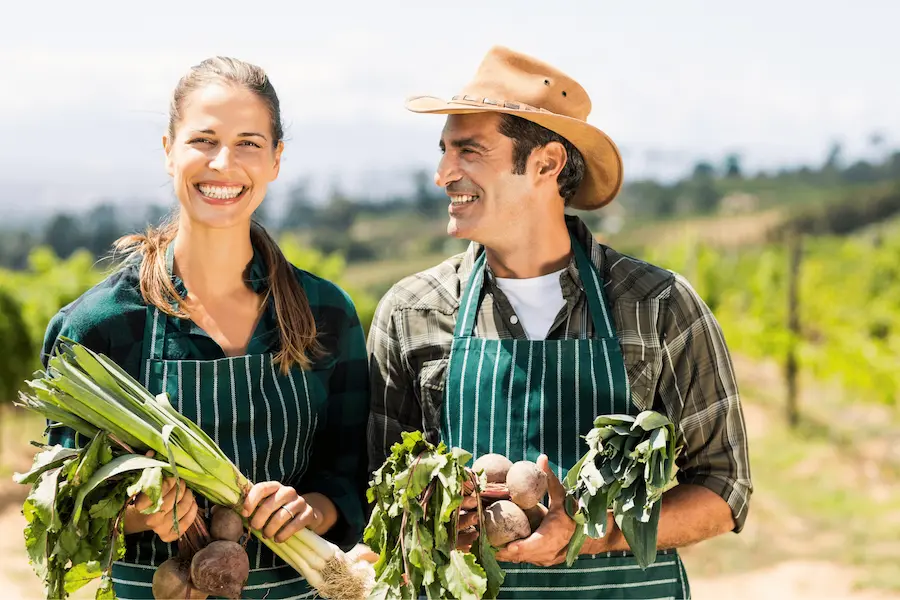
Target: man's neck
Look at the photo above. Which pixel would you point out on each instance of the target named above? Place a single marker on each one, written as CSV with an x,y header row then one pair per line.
x,y
544,250
211,262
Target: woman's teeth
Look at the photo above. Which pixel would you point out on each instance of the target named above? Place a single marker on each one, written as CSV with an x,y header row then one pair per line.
x,y
463,199
220,192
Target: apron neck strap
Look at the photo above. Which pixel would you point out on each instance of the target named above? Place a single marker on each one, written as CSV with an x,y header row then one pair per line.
x,y
593,288
471,299
155,320
154,333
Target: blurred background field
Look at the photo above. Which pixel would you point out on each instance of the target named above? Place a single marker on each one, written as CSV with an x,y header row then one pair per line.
x,y
776,194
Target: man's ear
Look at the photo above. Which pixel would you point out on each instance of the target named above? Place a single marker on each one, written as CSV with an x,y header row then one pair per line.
x,y
549,160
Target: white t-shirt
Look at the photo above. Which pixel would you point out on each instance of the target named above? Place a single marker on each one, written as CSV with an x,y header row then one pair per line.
x,y
536,300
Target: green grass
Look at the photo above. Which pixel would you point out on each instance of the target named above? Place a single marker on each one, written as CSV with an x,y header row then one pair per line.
x,y
815,497
377,277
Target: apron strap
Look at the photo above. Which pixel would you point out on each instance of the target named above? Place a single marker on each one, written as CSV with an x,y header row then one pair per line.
x,y
471,299
154,334
155,325
593,288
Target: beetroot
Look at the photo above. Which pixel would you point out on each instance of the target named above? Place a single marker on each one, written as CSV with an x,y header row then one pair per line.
x,y
221,569
226,525
172,579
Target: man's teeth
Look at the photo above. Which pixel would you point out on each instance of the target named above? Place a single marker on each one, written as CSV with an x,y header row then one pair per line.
x,y
463,199
220,192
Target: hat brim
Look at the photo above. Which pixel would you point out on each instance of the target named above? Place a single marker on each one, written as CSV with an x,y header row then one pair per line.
x,y
603,162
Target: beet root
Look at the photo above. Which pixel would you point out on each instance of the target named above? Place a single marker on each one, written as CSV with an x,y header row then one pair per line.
x,y
172,579
527,484
505,522
495,467
221,569
226,525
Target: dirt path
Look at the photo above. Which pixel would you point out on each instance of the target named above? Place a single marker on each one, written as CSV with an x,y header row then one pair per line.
x,y
794,580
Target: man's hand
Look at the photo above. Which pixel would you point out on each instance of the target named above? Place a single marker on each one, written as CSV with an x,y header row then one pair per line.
x,y
467,531
547,546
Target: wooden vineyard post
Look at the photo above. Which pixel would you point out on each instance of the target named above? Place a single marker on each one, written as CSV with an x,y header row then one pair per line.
x,y
795,255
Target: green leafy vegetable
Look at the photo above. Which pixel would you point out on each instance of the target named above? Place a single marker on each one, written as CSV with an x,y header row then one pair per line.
x,y
417,493
627,468
67,545
75,507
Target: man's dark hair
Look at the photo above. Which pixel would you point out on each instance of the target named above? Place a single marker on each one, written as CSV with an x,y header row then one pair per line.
x,y
526,136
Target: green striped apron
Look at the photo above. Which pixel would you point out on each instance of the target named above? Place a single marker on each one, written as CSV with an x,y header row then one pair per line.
x,y
263,421
523,398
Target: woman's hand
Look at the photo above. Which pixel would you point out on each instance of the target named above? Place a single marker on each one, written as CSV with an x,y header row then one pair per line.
x,y
175,498
278,511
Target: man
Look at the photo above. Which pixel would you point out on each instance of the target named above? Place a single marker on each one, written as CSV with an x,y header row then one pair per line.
x,y
517,344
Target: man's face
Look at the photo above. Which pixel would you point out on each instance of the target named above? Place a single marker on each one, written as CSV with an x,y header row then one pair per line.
x,y
487,201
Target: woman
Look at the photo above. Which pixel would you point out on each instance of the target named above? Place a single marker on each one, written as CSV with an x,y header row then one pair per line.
x,y
268,359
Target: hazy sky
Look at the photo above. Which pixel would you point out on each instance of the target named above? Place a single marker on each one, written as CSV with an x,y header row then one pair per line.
x,y
84,86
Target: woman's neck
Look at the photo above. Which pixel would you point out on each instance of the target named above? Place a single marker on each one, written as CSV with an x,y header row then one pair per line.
x,y
211,262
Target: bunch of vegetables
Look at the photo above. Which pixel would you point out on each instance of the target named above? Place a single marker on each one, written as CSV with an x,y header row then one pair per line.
x,y
626,469
417,494
511,498
74,511
208,562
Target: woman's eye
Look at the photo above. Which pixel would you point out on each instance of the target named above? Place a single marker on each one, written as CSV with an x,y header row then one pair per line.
x,y
249,143
200,141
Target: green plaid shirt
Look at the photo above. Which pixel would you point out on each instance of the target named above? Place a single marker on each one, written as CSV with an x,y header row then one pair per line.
x,y
675,356
109,318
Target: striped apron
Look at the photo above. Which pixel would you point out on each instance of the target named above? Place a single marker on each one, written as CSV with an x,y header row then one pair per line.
x,y
523,398
263,421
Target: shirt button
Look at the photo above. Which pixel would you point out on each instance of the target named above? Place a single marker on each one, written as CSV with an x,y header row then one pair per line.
x,y
514,319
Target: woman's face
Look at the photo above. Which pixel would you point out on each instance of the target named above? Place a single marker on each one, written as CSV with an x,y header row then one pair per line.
x,y
222,156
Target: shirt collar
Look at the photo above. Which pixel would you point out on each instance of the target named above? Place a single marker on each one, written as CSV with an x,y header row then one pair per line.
x,y
580,232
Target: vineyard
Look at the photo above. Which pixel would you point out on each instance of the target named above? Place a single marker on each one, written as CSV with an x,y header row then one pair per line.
x,y
29,298
847,304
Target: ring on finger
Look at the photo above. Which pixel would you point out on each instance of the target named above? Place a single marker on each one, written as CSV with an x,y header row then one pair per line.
x,y
289,512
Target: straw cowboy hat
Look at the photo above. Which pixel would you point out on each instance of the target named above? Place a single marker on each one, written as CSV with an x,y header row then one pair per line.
x,y
513,83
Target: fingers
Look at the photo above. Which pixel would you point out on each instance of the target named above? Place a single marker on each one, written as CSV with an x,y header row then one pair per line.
x,y
514,551
465,540
362,552
142,502
187,512
266,509
305,516
555,488
179,499
171,497
469,502
257,494
467,519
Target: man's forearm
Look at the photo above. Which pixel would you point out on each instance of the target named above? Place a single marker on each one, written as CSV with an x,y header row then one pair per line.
x,y
690,514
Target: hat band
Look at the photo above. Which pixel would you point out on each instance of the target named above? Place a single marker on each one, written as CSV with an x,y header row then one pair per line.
x,y
501,103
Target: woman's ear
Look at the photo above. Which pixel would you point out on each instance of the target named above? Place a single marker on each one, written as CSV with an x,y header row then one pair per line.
x,y
167,146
